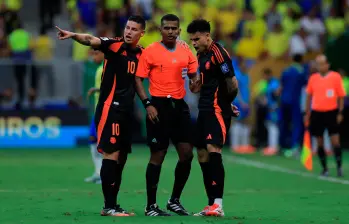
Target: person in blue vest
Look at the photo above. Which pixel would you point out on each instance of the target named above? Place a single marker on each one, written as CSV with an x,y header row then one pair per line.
x,y
272,119
240,130
293,79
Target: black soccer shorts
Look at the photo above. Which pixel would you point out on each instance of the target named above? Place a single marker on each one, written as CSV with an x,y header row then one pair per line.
x,y
174,124
114,129
212,128
320,121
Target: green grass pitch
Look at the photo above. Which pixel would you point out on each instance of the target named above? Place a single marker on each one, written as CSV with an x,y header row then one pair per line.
x,y
46,186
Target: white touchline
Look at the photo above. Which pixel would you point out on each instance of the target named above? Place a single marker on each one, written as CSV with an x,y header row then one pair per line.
x,y
275,168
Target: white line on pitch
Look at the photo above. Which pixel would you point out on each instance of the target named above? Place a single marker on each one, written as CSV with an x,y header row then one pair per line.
x,y
275,168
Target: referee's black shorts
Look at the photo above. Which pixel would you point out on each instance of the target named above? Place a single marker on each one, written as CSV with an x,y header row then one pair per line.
x,y
320,121
174,123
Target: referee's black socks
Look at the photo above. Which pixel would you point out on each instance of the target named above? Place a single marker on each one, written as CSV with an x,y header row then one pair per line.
x,y
338,156
108,178
182,173
152,179
322,156
206,174
217,174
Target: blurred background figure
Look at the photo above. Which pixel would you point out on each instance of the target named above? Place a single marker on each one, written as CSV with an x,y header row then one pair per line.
x,y
240,130
98,58
292,81
272,119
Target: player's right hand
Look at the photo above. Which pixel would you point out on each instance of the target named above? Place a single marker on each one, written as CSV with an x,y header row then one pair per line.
x,y
64,34
152,114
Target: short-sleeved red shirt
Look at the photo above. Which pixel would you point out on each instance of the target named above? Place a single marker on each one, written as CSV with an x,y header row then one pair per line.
x,y
166,69
325,91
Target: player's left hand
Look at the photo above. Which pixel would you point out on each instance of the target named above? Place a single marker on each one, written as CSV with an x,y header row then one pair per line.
x,y
235,110
195,84
339,118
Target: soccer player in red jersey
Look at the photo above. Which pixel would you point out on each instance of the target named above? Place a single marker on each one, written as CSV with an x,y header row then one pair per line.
x,y
218,90
166,63
114,110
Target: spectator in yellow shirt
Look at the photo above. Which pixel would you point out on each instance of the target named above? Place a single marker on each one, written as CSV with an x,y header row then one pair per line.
x,y
250,47
257,25
276,42
43,47
229,18
335,25
152,35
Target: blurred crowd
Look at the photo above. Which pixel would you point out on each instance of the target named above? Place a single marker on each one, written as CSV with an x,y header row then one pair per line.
x,y
251,31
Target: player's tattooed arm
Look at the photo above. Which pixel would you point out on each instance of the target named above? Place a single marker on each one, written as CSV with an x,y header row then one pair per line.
x,y
232,87
85,39
194,82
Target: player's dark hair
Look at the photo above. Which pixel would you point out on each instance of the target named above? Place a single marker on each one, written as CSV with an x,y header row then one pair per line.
x,y
139,20
298,58
169,17
199,25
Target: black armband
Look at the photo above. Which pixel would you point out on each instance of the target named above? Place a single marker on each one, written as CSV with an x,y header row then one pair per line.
x,y
146,103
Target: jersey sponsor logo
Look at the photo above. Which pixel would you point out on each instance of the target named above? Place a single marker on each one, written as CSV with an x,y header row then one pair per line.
x,y
104,38
225,68
330,93
154,140
209,137
207,65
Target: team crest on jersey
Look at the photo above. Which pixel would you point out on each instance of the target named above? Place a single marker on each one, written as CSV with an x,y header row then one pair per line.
x,y
112,140
207,65
225,68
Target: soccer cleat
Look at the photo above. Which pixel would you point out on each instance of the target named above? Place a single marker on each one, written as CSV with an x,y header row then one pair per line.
x,y
117,211
154,210
325,173
93,179
339,172
203,212
215,210
176,207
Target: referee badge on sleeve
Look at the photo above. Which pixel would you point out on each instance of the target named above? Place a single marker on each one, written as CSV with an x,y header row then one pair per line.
x,y
225,68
